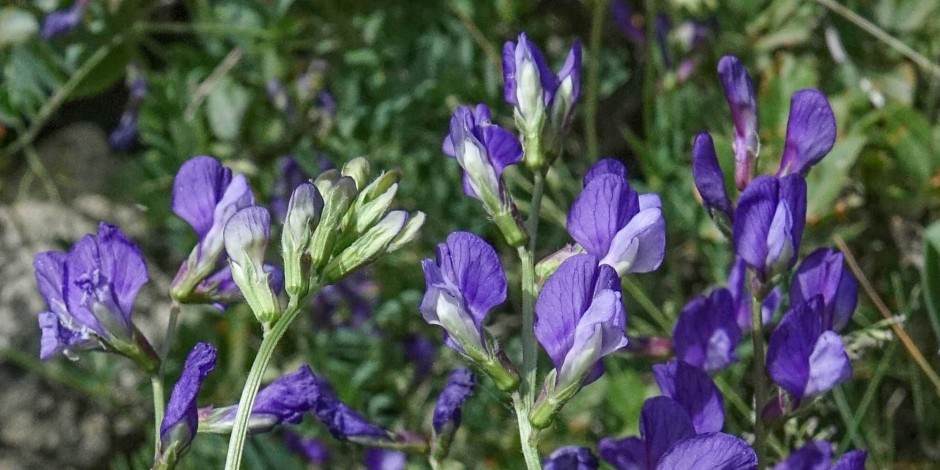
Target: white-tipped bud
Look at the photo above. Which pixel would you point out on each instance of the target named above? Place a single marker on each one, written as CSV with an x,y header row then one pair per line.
x,y
358,170
246,239
336,202
366,248
303,215
408,233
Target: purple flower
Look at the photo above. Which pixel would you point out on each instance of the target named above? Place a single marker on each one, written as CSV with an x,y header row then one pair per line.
x,y
123,137
312,450
811,132
345,423
181,419
571,458
709,179
90,292
817,455
63,21
383,459
613,223
823,273
421,352
624,20
463,285
769,221
694,390
206,195
741,296
246,239
579,319
447,413
284,401
739,91
804,357
483,150
707,332
668,441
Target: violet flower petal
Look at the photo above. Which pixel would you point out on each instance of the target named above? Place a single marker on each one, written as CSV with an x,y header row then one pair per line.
x,y
571,458
605,166
824,273
815,455
714,451
709,179
739,92
707,333
624,454
384,459
181,421
811,132
663,423
694,390
852,460
601,210
450,403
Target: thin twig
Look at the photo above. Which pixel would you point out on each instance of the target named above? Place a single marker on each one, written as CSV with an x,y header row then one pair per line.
x,y
912,348
492,53
883,36
205,88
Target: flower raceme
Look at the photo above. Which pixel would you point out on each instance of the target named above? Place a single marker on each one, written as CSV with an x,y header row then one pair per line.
x,y
90,292
817,455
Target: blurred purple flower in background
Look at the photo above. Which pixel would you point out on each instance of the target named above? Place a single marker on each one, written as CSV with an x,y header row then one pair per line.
x,y
571,458
63,21
124,136
817,455
447,412
384,459
312,450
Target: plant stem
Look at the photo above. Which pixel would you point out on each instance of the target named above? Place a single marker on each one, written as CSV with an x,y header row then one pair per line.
x,y
236,444
593,79
760,382
528,437
156,383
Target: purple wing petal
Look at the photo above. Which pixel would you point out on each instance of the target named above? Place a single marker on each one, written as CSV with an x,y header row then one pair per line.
x,y
572,69
50,277
197,189
811,132
752,220
790,348
123,265
714,451
829,365
640,246
564,297
815,455
793,192
709,179
571,458
603,208
503,147
707,332
624,454
605,166
852,460
695,391
473,266
57,337
449,405
823,273
288,398
384,459
509,73
180,421
663,423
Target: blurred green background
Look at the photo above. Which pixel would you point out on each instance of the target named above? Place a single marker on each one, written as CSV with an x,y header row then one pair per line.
x,y
396,69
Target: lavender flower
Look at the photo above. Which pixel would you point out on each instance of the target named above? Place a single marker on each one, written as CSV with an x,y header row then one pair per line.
x,y
421,352
181,419
63,21
811,132
447,413
579,319
463,285
246,238
624,20
707,332
804,356
123,137
710,181
312,450
383,459
817,455
612,222
345,423
284,401
90,292
206,195
739,91
694,390
768,223
741,296
823,273
668,440
571,458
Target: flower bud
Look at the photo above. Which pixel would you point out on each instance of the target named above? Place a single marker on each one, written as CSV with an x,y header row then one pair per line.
x,y
739,92
408,233
303,215
358,170
246,239
337,200
366,248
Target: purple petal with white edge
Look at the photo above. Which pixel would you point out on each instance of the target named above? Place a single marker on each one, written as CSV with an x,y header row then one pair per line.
x,y
197,188
823,273
571,458
289,397
852,460
384,459
694,390
829,365
650,201
57,337
640,246
502,146
123,265
815,455
471,265
599,332
50,277
527,51
752,219
811,132
564,298
714,451
628,453
709,179
663,423
739,92
572,70
793,193
246,236
450,403
509,73
605,166
707,332
603,208
181,420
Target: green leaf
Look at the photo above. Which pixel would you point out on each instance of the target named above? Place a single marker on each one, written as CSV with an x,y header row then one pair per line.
x,y
227,104
829,176
16,25
930,275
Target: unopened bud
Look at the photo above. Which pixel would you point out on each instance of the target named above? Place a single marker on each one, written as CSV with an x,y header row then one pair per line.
x,y
367,248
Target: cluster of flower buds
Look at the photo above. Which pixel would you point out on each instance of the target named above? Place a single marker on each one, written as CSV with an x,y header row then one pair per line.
x,y
543,103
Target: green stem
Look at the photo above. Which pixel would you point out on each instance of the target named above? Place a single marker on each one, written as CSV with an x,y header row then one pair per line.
x,y
760,382
62,94
272,337
593,79
528,437
158,404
